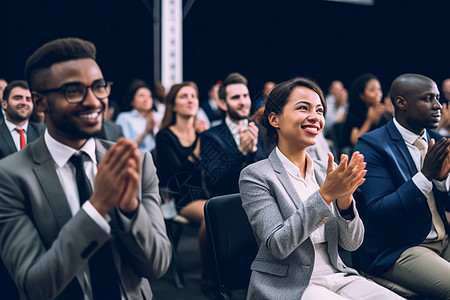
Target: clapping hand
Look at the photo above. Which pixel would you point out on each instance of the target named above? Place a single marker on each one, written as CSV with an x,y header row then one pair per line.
x,y
118,178
436,164
342,181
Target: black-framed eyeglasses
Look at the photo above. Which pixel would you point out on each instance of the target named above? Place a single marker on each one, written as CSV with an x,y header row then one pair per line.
x,y
75,92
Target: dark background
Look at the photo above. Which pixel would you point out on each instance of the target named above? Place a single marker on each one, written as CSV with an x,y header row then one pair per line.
x,y
263,40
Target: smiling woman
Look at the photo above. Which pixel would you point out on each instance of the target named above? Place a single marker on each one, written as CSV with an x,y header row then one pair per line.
x,y
289,197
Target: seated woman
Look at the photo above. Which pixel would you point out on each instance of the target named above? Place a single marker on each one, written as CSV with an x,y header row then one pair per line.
x,y
301,210
139,124
365,111
177,158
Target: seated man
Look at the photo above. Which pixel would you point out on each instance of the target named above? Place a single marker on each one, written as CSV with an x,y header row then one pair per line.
x,y
405,193
16,129
80,218
229,147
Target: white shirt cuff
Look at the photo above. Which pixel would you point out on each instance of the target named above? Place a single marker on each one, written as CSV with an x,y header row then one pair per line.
x,y
441,185
422,183
96,216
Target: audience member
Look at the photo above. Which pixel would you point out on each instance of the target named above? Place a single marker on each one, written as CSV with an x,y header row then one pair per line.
x,y
301,210
227,148
159,95
116,241
336,105
15,129
365,111
139,124
3,84
261,100
110,130
37,117
177,159
201,119
445,91
444,123
405,195
211,107
111,111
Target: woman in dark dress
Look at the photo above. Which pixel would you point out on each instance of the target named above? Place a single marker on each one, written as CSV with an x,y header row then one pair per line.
x,y
365,111
177,157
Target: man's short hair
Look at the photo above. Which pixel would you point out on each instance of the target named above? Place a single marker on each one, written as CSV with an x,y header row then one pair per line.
x,y
233,78
59,50
13,84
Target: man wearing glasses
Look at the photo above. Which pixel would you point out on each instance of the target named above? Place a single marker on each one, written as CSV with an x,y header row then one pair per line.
x,y
80,217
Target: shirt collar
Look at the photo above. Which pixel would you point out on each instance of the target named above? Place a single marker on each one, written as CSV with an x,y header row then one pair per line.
x,y
61,153
12,126
234,128
409,136
291,168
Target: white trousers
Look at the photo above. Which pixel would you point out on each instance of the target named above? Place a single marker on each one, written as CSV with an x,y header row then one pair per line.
x,y
339,286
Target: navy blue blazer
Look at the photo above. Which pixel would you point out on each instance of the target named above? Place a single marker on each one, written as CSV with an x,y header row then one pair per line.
x,y
7,145
222,161
395,213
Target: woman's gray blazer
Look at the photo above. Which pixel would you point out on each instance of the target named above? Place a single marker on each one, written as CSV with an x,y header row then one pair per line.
x,y
282,224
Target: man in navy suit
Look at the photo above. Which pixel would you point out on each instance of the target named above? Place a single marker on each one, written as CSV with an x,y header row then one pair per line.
x,y
405,195
229,147
18,107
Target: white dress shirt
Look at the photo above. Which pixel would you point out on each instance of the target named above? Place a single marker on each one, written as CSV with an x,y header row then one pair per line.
x,y
305,187
14,134
422,183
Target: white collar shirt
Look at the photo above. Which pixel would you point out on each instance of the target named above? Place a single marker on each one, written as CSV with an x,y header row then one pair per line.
x,y
14,134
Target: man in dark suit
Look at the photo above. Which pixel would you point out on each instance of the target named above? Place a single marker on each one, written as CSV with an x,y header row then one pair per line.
x,y
3,84
405,195
80,218
229,147
18,107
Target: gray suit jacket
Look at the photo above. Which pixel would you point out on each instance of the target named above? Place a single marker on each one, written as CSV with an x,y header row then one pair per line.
x,y
44,246
7,145
282,224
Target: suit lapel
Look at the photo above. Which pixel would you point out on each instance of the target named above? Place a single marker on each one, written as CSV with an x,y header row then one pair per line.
x,y
400,149
285,181
44,169
5,135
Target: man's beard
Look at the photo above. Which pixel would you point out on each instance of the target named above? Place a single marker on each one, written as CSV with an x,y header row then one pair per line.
x,y
234,115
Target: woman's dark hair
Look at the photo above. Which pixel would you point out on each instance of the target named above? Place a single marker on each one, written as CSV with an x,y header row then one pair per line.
x,y
356,105
132,89
278,98
169,114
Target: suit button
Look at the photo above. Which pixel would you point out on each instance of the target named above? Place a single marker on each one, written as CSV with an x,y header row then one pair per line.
x,y
89,249
140,237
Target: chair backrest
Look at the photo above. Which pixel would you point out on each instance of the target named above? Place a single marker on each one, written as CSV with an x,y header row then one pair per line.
x,y
231,243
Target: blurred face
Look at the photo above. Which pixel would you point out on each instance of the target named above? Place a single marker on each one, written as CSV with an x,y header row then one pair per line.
x,y
238,101
3,84
372,93
186,102
268,86
446,89
301,119
142,100
19,106
72,123
423,108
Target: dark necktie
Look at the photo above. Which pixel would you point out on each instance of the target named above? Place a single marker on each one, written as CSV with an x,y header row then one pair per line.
x,y
104,279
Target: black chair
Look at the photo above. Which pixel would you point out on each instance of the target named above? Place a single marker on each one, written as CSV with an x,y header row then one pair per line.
x,y
232,245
